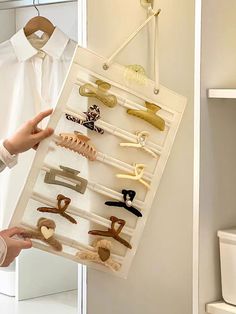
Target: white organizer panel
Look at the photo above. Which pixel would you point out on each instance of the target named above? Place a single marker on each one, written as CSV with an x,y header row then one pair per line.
x,y
220,308
103,185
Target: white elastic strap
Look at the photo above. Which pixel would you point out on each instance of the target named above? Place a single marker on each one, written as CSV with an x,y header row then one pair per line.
x,y
156,57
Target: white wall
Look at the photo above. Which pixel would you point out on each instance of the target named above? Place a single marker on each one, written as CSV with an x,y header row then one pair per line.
x,y
7,24
160,280
218,149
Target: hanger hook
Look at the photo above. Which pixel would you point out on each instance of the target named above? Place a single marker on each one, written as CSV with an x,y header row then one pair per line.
x,y
36,8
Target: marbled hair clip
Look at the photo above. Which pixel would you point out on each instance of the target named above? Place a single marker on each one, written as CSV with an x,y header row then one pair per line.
x,y
102,255
100,92
149,115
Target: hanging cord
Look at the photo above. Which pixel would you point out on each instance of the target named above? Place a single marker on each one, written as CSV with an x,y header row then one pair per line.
x,y
36,8
155,14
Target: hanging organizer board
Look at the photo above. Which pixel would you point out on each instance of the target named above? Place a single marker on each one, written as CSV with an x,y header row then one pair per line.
x,y
89,209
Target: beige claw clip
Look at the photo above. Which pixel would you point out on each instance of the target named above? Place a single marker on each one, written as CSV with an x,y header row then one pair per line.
x,y
102,255
137,176
100,92
149,115
141,143
78,143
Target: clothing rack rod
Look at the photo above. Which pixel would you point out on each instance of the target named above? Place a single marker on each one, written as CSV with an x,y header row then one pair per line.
x,y
16,4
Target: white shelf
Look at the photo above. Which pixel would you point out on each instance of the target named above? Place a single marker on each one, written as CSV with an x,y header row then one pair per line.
x,y
222,93
220,308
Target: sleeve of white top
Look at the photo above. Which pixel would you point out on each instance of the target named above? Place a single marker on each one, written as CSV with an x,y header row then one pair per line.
x,y
3,251
6,159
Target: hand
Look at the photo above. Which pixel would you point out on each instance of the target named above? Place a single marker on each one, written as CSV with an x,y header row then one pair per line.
x,y
14,246
29,135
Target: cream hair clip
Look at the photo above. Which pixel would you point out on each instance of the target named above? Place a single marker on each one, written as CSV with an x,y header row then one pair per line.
x,y
141,143
137,176
102,255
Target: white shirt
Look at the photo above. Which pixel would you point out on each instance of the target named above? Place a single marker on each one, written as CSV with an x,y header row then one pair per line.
x,y
32,71
6,160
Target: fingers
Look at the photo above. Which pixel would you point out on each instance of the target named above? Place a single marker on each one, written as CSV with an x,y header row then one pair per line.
x,y
23,244
13,231
38,137
42,115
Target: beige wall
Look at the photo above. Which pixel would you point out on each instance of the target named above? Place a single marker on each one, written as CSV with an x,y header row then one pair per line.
x,y
160,280
218,149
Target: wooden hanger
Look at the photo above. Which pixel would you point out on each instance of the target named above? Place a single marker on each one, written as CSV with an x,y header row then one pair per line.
x,y
38,23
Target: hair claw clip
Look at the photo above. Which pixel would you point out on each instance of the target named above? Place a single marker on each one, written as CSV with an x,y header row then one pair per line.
x,y
114,231
45,233
141,143
101,256
92,115
100,92
81,183
62,204
138,174
128,196
149,115
78,143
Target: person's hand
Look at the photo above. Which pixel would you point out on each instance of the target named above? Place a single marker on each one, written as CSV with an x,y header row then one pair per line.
x,y
29,135
14,246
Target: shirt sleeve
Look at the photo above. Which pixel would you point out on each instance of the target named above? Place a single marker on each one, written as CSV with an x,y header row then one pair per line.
x,y
6,159
3,251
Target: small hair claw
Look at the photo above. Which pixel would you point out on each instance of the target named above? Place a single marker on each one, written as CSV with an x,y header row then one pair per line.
x,y
116,227
54,175
92,115
128,196
102,255
62,204
137,176
78,143
141,143
100,93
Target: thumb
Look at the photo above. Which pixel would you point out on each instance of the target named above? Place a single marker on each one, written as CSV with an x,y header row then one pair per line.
x,y
13,231
23,244
38,137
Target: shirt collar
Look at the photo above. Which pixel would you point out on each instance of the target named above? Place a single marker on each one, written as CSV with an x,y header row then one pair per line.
x,y
54,47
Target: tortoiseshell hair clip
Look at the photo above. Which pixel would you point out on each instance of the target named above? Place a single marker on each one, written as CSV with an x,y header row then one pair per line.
x,y
92,115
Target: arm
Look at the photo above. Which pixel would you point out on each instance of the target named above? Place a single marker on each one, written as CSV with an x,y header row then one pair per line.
x,y
6,159
26,137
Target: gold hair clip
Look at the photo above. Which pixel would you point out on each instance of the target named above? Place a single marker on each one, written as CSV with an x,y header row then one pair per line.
x,y
79,143
101,256
99,92
149,115
137,176
53,174
141,143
